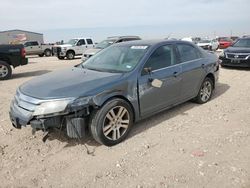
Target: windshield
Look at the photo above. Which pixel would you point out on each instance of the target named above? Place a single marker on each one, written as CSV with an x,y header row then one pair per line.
x,y
245,43
105,44
204,41
116,59
72,41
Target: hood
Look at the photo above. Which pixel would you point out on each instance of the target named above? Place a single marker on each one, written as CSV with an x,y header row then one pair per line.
x,y
64,45
204,44
92,51
73,82
237,50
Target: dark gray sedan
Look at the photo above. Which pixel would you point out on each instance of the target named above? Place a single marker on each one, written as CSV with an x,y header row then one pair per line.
x,y
115,88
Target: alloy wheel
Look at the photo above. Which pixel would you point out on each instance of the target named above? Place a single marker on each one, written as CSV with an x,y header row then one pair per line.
x,y
116,123
3,71
206,91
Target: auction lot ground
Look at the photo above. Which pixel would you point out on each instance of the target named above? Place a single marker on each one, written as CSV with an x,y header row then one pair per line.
x,y
188,146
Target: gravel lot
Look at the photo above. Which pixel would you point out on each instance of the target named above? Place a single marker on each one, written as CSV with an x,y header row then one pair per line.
x,y
188,146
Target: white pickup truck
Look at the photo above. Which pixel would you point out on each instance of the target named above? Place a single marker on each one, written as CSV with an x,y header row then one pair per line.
x,y
73,47
35,48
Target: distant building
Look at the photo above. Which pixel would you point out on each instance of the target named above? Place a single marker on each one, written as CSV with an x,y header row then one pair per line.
x,y
19,36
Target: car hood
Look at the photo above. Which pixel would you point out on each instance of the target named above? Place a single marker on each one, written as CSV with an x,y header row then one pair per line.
x,y
92,51
237,50
203,44
64,45
74,82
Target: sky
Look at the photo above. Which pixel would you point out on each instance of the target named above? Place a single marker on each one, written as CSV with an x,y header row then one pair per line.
x,y
65,19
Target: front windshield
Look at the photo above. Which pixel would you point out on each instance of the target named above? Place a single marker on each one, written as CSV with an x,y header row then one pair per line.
x,y
72,41
204,41
116,59
244,43
104,44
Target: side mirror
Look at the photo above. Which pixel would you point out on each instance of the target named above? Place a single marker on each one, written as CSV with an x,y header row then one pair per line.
x,y
148,70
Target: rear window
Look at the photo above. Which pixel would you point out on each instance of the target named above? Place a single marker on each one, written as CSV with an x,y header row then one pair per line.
x,y
188,52
89,41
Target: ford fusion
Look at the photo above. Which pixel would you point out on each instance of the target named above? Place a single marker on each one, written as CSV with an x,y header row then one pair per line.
x,y
238,55
117,87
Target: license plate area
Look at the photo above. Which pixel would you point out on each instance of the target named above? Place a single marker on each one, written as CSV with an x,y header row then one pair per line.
x,y
236,61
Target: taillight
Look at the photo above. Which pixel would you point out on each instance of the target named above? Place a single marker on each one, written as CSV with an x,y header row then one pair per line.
x,y
23,52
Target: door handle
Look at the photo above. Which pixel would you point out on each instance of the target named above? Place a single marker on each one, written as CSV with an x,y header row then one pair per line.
x,y
176,74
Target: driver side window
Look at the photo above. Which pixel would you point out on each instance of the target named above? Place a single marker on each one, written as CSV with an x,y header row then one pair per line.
x,y
81,42
162,57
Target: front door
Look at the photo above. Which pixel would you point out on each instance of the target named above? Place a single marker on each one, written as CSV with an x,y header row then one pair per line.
x,y
81,46
159,88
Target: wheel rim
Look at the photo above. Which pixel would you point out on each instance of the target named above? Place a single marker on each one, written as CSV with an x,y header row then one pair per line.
x,y
3,71
47,53
116,123
206,91
71,56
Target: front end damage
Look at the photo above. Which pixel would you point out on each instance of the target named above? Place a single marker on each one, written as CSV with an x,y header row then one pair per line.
x,y
68,113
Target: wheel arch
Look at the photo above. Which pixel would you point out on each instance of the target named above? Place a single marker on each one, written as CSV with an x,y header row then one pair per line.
x,y
71,50
118,96
211,76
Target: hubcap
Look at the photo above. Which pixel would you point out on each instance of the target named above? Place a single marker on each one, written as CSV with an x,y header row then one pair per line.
x,y
206,91
116,123
3,71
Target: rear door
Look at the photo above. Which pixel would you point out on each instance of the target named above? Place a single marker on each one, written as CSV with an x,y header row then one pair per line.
x,y
165,71
90,43
193,72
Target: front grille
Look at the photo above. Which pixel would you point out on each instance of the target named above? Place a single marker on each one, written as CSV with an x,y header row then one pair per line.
x,y
25,102
237,56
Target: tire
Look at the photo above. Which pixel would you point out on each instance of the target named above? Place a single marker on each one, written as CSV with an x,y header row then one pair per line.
x,y
40,55
47,52
205,92
60,57
111,129
5,71
70,55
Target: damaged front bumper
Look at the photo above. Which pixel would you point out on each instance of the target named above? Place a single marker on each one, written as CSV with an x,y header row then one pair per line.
x,y
23,108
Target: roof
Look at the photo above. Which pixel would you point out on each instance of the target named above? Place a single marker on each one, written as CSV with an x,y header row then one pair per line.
x,y
20,31
149,42
121,37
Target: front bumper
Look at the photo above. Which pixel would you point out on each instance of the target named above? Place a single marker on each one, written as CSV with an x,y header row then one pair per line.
x,y
235,62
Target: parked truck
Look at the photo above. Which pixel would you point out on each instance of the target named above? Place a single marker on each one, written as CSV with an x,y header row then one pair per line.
x,y
73,47
36,48
11,56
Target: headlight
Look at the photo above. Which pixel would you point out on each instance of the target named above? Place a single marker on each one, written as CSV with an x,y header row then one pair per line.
x,y
51,107
80,102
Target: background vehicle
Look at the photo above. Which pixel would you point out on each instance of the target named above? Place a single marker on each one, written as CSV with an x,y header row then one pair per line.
x,y
105,43
73,47
237,55
225,42
11,55
118,86
36,48
208,44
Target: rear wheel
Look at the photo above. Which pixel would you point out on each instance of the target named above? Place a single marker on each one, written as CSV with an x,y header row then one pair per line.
x,y
5,71
111,124
70,55
205,92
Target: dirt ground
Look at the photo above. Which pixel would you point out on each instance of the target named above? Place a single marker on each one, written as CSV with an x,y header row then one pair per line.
x,y
188,146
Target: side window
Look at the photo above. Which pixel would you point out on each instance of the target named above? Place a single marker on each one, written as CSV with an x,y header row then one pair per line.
x,y
26,44
34,43
162,57
188,52
89,41
81,42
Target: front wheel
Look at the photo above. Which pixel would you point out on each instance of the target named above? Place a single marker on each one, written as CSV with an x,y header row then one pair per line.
x,y
205,92
70,55
111,124
5,71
